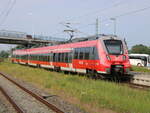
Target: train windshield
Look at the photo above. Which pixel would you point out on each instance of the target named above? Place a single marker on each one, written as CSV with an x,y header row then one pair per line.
x,y
114,46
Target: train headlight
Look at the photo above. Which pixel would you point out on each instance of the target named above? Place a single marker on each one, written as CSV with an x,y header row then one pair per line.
x,y
108,57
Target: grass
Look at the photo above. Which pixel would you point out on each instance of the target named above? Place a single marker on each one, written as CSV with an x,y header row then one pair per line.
x,y
140,69
88,94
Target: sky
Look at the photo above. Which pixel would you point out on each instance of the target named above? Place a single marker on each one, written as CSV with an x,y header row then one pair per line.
x,y
47,17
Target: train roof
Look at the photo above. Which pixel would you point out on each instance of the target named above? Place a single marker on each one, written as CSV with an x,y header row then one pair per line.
x,y
94,37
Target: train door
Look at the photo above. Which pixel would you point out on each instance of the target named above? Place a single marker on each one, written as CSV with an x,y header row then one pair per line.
x,y
92,61
70,57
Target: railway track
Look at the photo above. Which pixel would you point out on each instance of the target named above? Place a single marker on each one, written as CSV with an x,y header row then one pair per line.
x,y
17,106
143,83
14,104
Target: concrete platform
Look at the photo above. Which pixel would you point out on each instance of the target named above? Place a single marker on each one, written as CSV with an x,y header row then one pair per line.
x,y
141,78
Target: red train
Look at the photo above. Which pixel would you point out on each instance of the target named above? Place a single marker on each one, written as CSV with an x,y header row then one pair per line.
x,y
101,56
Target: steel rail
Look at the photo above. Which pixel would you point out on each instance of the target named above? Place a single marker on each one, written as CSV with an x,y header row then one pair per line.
x,y
13,103
39,98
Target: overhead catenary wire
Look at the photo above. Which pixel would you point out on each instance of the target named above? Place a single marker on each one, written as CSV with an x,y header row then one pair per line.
x,y
133,12
67,25
7,12
99,11
119,2
121,15
6,8
107,19
92,13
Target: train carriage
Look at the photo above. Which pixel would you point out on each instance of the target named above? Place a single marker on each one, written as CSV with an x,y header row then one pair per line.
x,y
104,56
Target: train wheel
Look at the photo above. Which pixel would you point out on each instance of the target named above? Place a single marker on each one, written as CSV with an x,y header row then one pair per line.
x,y
91,74
66,72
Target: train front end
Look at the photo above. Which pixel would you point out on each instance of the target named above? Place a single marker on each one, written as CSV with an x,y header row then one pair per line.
x,y
113,55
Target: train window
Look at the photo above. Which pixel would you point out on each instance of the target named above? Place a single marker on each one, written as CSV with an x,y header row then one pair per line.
x,y
66,57
59,57
55,57
93,50
50,56
92,53
63,57
36,57
23,57
70,57
33,57
81,54
41,58
47,57
96,54
87,53
30,57
76,52
114,47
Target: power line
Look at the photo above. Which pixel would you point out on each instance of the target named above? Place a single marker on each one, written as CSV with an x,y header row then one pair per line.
x,y
8,11
133,12
121,15
118,16
3,11
99,11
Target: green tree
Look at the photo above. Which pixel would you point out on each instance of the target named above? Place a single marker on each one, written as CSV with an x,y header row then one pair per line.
x,y
4,54
141,49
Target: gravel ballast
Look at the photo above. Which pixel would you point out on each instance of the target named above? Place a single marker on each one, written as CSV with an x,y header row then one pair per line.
x,y
24,100
5,106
